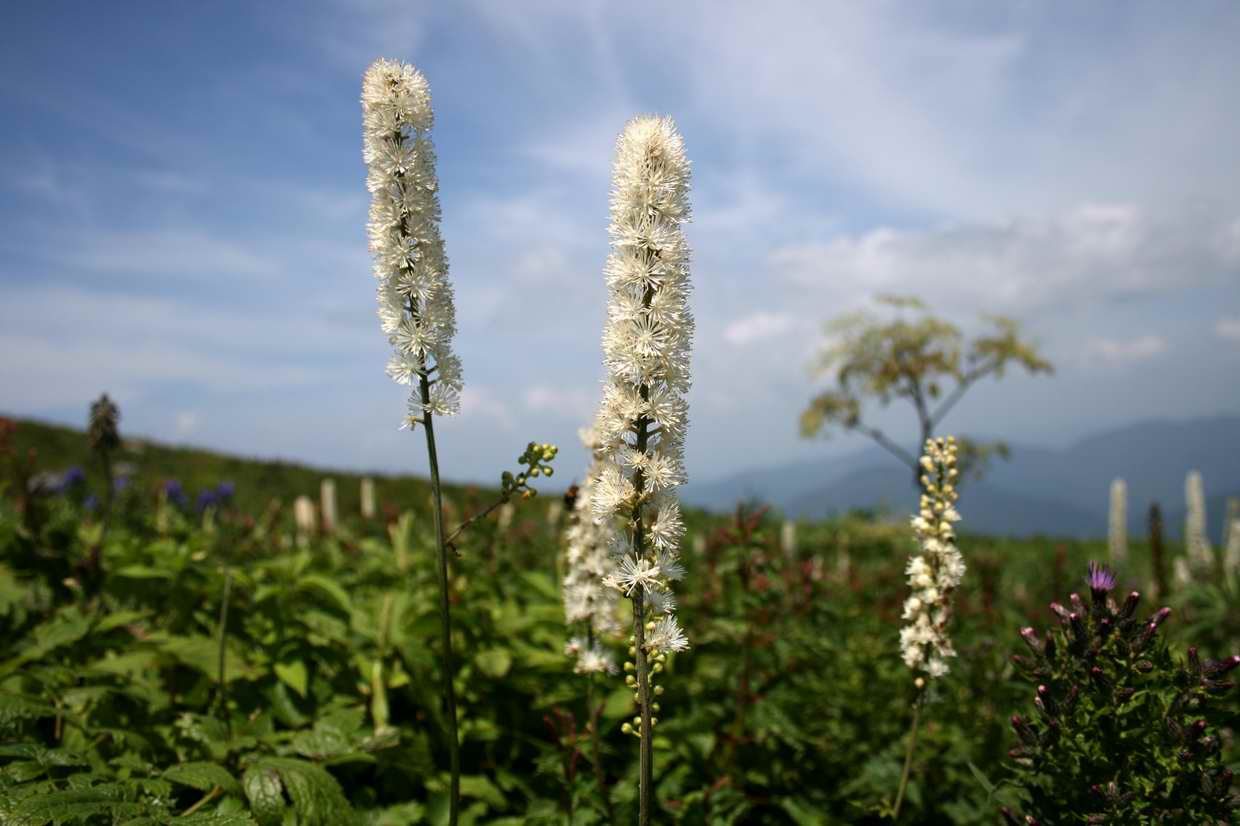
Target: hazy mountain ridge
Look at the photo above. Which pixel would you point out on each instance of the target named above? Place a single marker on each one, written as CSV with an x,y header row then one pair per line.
x,y
1038,490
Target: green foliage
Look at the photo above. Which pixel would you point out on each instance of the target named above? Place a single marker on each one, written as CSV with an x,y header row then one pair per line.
x,y
792,707
1124,732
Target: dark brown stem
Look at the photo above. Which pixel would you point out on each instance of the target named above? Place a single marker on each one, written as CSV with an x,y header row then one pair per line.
x,y
482,514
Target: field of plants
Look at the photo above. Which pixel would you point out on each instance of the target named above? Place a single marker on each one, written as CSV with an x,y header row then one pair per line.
x,y
192,659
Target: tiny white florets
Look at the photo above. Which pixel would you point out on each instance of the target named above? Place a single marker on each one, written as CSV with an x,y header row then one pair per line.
x,y
416,309
646,341
936,571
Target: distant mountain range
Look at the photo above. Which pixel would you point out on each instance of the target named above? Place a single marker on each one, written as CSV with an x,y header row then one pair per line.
x,y
1038,490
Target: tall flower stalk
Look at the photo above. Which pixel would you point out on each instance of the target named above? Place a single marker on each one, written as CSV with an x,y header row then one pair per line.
x,y
1117,523
933,574
641,422
416,310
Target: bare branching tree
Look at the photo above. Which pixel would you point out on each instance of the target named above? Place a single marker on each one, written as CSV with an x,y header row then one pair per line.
x,y
922,359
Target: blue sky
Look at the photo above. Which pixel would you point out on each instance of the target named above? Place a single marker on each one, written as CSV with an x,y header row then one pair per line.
x,y
183,210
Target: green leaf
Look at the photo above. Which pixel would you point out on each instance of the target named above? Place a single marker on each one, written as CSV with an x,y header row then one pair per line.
x,y
480,787
317,798
336,597
204,776
981,778
266,794
294,675
493,662
143,572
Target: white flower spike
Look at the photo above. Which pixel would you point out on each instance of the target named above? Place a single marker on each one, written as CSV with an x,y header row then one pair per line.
x,y
416,310
936,571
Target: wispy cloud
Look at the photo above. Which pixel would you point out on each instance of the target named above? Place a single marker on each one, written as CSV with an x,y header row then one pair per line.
x,y
756,327
1126,351
1228,328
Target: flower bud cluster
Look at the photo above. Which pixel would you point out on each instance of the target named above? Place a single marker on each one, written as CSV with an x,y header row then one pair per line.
x,y
1110,701
657,663
936,571
537,460
416,309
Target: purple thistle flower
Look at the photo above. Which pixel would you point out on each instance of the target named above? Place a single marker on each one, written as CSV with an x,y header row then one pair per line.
x,y
1101,579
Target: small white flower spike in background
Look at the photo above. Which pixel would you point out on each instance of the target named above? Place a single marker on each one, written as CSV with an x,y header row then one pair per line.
x,y
1117,524
1196,543
935,572
587,600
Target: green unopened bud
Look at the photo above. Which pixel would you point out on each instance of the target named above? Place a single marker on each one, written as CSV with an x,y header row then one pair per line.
x,y
628,666
658,689
547,471
657,668
632,650
655,707
627,728
654,721
637,721
630,681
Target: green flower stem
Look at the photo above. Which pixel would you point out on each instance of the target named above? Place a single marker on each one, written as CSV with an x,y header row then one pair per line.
x,y
592,712
908,759
445,615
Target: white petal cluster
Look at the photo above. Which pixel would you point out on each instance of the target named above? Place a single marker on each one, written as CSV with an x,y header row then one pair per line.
x,y
1117,523
587,598
936,571
646,344
415,298
591,658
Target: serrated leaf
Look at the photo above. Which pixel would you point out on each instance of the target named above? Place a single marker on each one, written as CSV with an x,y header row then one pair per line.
x,y
317,797
266,794
203,776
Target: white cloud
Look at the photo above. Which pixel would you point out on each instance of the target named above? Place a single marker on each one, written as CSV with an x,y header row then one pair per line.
x,y
481,402
1228,328
572,403
1093,252
187,422
1126,351
756,327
